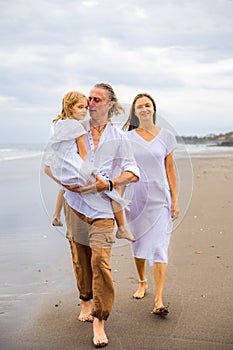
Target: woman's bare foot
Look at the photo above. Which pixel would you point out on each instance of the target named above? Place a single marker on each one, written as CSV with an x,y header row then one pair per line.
x,y
161,310
158,303
100,339
124,233
140,293
85,314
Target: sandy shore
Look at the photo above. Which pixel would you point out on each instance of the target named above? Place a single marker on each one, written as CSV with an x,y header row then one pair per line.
x,y
198,288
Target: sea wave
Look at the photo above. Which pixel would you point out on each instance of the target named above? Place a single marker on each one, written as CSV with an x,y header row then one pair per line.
x,y
204,150
20,152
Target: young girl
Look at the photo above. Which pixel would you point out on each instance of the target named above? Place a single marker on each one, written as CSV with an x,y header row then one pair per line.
x,y
69,167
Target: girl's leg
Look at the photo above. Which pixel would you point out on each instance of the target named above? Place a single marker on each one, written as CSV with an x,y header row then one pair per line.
x,y
59,205
143,286
122,231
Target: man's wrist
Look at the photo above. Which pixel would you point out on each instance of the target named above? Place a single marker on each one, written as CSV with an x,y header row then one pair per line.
x,y
110,185
114,183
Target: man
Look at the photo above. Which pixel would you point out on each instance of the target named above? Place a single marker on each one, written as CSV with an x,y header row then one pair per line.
x,y
110,152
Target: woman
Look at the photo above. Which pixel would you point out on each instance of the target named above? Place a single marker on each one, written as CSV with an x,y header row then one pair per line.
x,y
154,202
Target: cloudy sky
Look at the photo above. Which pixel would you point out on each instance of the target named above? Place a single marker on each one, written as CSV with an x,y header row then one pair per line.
x,y
178,51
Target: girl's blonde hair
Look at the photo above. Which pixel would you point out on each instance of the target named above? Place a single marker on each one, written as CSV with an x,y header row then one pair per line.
x,y
68,101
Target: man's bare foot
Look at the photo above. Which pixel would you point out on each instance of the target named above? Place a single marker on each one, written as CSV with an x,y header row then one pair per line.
x,y
100,339
124,233
140,293
85,314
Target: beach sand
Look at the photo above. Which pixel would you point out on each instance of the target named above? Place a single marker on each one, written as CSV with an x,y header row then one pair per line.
x,y
198,288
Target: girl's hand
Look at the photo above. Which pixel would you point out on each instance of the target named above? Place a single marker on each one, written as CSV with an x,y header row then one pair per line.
x,y
73,188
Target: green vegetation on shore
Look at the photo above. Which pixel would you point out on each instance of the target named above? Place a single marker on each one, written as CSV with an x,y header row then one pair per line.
x,y
220,139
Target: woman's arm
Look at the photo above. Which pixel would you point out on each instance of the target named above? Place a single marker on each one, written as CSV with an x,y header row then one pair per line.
x,y
171,176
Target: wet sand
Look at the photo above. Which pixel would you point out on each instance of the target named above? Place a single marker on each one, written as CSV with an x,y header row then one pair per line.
x,y
198,287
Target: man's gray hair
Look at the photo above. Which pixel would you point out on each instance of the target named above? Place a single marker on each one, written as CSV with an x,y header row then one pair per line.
x,y
116,108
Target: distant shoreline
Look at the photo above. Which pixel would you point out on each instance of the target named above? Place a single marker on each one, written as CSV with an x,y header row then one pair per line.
x,y
214,140
228,143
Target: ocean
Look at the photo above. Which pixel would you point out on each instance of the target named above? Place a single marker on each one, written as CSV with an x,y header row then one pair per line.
x,y
31,249
10,152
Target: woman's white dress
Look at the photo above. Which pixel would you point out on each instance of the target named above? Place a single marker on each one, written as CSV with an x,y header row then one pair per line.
x,y
148,216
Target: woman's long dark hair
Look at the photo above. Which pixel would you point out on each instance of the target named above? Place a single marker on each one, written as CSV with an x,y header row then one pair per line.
x,y
133,121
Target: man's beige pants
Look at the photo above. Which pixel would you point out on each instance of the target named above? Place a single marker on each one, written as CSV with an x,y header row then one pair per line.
x,y
90,242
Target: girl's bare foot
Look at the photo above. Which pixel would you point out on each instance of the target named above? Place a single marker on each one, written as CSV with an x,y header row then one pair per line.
x,y
85,314
140,293
100,339
124,233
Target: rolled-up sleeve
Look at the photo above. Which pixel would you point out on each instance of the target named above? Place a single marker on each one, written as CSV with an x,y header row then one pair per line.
x,y
127,156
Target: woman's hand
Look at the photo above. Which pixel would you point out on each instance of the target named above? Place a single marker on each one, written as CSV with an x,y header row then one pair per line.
x,y
175,211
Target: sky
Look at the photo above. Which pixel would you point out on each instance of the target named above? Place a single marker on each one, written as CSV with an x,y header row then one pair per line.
x,y
180,52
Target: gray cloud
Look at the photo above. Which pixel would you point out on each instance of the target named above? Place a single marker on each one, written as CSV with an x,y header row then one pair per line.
x,y
181,52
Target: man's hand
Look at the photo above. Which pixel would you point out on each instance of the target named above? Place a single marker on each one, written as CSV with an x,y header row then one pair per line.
x,y
102,185
90,187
